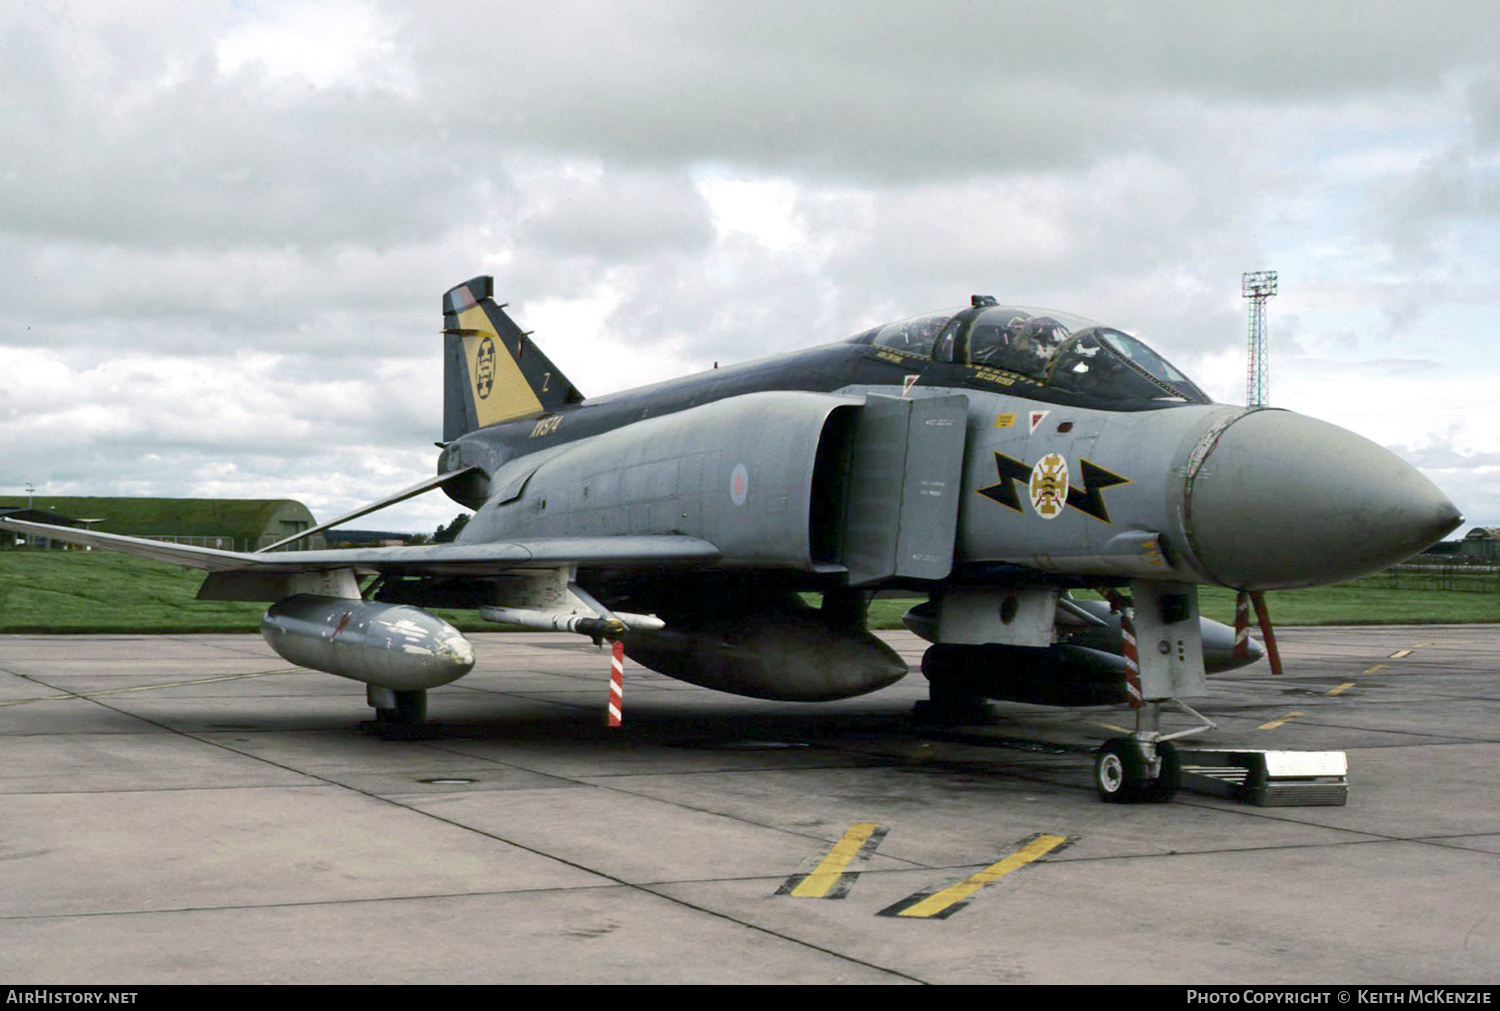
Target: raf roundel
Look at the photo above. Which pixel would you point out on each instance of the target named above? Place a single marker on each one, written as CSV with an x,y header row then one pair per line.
x,y
739,484
1049,486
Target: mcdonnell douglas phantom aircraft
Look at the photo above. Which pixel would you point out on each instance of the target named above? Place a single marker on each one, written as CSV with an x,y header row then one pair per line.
x,y
992,458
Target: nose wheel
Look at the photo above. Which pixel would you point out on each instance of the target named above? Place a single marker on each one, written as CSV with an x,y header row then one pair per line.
x,y
1128,771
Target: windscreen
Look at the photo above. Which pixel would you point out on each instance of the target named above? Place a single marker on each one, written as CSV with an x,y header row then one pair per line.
x,y
1067,353
1105,363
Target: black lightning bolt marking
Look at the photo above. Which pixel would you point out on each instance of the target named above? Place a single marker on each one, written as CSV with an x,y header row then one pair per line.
x,y
1010,470
1086,496
1095,480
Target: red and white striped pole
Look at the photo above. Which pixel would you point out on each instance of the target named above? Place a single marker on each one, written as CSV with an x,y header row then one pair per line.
x,y
616,683
1242,624
1132,660
1132,656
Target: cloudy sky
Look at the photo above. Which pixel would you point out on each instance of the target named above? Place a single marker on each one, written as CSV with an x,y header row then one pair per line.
x,y
225,227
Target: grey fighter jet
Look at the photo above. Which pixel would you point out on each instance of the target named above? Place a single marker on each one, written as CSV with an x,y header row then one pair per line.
x,y
994,459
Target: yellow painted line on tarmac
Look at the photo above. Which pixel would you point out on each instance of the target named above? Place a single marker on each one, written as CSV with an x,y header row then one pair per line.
x,y
1419,645
1400,653
1372,670
1111,726
1341,689
831,871
147,688
1278,722
940,903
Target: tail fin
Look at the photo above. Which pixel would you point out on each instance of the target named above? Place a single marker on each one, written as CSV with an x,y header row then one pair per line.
x,y
492,372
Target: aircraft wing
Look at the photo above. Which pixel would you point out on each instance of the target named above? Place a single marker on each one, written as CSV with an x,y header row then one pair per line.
x,y
427,559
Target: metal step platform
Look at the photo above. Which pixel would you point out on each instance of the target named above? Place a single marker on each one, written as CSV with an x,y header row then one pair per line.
x,y
1268,778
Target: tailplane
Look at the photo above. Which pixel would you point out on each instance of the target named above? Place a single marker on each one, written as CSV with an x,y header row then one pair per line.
x,y
492,371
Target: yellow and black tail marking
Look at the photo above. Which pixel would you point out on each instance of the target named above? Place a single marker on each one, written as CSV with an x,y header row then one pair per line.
x,y
492,371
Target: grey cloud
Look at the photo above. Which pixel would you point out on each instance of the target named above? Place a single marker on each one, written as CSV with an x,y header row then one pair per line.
x,y
1382,367
1284,48
1439,457
619,216
891,91
1484,111
174,153
1418,210
739,305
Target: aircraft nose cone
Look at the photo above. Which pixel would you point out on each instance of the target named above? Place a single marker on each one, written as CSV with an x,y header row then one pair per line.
x,y
1282,500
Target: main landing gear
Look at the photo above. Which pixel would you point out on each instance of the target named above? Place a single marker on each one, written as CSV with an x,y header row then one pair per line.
x,y
399,715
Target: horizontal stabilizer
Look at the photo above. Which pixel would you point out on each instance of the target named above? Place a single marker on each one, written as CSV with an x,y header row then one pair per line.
x,y
400,496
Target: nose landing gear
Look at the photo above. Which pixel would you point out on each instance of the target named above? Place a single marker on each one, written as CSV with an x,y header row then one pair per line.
x,y
1124,773
1144,767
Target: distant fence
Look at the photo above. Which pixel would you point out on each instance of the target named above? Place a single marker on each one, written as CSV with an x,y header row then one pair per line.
x,y
1428,576
39,542
240,543
222,543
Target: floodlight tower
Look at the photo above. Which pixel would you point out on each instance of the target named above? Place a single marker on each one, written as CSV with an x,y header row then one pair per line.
x,y
1257,286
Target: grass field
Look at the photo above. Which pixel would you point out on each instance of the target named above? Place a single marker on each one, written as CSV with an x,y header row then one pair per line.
x,y
1361,602
100,591
95,591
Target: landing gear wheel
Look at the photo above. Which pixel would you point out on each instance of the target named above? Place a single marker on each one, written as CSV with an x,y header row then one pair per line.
x,y
1122,773
1119,771
406,721
952,700
1164,787
948,708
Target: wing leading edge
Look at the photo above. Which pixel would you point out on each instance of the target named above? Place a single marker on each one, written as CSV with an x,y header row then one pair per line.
x,y
429,559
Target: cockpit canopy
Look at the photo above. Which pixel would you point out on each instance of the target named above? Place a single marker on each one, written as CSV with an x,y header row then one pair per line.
x,y
1055,350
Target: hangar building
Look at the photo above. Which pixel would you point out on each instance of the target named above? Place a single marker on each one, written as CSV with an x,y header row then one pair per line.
x,y
230,524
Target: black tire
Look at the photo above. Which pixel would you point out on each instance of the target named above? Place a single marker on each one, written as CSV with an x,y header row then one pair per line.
x,y
942,662
1167,782
1119,771
411,708
951,696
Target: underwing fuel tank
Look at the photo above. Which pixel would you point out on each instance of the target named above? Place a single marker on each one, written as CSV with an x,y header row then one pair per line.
x,y
790,660
395,646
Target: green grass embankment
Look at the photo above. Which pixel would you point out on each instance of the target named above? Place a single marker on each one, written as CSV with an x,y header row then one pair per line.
x,y
1361,602
97,591
101,591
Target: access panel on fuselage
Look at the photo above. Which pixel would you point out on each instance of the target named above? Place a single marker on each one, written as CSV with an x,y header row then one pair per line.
x,y
905,476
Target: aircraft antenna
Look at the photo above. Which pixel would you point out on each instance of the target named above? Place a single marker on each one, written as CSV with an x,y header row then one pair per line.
x,y
1258,286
